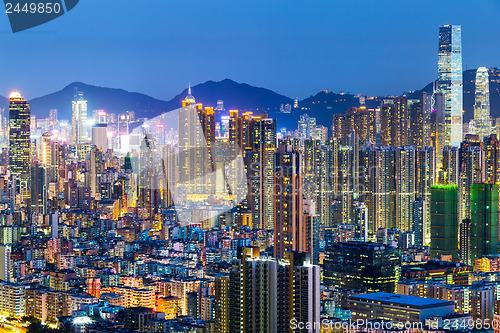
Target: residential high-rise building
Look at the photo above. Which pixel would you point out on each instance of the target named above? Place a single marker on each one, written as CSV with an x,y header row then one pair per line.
x,y
264,294
395,122
400,121
482,103
492,159
303,296
370,267
450,171
438,126
318,178
427,119
416,126
426,176
306,126
196,129
484,220
386,188
339,128
49,156
472,166
38,188
418,221
444,220
360,222
222,304
369,182
406,172
260,168
12,298
20,146
450,81
5,263
346,186
363,121
465,241
289,224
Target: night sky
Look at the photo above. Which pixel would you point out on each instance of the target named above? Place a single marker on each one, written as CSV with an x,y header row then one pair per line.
x,y
295,47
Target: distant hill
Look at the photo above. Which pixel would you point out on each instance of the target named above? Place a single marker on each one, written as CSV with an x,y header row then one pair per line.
x,y
235,95
109,99
325,104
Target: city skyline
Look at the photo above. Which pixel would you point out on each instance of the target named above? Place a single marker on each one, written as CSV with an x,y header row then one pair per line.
x,y
231,208
314,64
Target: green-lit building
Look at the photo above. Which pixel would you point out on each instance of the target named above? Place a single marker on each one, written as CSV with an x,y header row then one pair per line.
x,y
444,220
484,220
370,267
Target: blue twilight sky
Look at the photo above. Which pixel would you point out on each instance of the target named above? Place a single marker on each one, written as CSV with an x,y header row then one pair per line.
x,y
295,47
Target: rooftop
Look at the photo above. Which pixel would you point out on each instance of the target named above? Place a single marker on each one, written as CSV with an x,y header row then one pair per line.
x,y
396,299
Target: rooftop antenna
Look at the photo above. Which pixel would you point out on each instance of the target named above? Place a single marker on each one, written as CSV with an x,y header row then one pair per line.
x,y
189,89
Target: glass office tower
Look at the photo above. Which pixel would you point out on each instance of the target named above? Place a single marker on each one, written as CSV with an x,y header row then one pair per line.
x,y
20,146
482,103
450,81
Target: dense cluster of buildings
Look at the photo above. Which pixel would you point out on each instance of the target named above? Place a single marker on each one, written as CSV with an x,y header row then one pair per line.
x,y
211,221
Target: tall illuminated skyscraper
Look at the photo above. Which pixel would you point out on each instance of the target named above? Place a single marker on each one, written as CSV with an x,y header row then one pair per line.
x,y
20,145
426,176
79,122
260,170
482,103
291,230
406,161
450,81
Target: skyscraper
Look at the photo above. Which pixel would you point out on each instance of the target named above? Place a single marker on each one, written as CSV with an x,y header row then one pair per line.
x,y
465,241
386,188
20,145
450,81
426,176
361,222
318,178
79,122
450,171
38,188
260,164
418,226
482,103
100,136
406,167
484,220
444,220
400,121
472,166
289,224
492,159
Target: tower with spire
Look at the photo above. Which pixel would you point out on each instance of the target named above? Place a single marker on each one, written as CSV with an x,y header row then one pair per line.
x,y
189,100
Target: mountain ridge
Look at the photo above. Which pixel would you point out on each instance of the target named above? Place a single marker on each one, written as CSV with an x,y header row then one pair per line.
x,y
241,96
